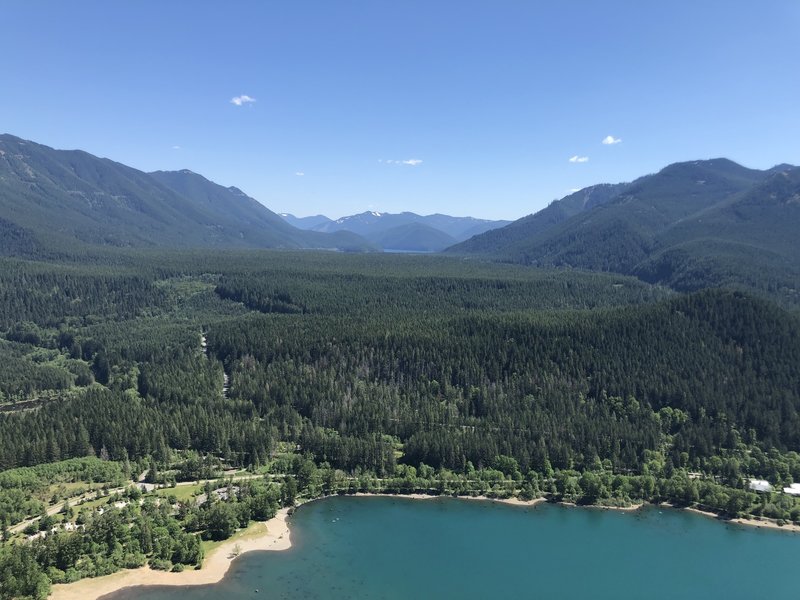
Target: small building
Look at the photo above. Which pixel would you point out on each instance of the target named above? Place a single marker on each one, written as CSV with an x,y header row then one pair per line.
x,y
792,490
760,485
222,493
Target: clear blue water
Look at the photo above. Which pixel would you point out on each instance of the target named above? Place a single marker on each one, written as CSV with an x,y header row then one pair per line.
x,y
399,548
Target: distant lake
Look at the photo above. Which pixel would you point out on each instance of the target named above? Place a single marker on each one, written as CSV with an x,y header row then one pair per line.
x,y
445,548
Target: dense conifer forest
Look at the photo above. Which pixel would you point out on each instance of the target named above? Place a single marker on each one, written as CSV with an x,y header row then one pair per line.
x,y
239,382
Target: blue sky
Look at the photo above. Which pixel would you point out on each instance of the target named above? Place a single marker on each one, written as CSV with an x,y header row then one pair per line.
x,y
466,108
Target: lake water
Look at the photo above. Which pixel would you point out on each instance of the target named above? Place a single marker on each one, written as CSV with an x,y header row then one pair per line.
x,y
399,548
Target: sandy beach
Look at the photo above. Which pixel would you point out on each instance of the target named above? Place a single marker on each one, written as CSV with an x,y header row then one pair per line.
x,y
631,508
511,501
767,524
758,523
274,536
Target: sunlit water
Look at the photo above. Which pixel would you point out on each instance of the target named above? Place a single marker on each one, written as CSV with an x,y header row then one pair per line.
x,y
445,548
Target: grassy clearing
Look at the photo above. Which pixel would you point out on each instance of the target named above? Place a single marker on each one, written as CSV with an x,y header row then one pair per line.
x,y
67,490
254,530
182,493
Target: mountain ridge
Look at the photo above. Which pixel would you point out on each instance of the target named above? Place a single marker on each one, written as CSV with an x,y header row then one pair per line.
x,y
66,200
695,220
434,233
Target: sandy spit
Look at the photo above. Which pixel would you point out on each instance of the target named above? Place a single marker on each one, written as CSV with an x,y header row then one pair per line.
x,y
275,537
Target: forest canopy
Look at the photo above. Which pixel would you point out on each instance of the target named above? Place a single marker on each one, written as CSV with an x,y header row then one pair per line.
x,y
334,372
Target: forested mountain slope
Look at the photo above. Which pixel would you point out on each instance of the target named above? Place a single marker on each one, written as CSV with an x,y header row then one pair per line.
x,y
524,229
692,225
61,201
412,237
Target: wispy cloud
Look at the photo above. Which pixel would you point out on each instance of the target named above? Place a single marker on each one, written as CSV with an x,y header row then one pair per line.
x,y
299,173
411,162
176,147
578,159
242,100
573,190
610,140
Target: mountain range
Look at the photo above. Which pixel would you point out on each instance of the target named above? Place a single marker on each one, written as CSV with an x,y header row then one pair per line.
x,y
57,201
64,200
406,231
691,225
696,224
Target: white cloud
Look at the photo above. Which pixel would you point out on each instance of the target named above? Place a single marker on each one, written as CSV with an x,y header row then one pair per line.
x,y
241,100
578,159
176,147
610,140
573,190
299,173
411,162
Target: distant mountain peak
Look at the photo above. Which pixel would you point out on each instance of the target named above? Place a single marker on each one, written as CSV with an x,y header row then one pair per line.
x,y
783,167
405,231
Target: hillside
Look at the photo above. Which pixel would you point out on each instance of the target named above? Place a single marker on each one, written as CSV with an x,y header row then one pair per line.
x,y
523,229
691,225
66,200
412,237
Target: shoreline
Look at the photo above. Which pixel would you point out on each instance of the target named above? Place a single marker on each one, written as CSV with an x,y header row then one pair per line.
x,y
763,523
509,501
760,523
631,508
276,536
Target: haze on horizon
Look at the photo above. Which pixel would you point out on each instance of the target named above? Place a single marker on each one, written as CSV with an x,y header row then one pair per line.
x,y
484,109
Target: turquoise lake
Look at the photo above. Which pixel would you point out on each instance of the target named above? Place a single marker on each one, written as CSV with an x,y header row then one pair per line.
x,y
445,548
